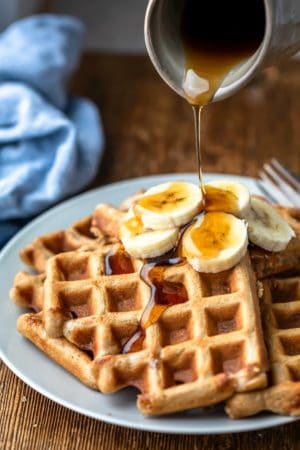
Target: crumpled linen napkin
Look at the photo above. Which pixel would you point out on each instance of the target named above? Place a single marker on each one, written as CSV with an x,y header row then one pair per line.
x,y
50,144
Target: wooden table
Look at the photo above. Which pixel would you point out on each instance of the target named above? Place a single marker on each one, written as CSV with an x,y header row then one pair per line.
x,y
149,130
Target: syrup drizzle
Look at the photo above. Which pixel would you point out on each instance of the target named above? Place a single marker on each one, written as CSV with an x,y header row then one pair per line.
x,y
162,293
118,262
197,110
210,52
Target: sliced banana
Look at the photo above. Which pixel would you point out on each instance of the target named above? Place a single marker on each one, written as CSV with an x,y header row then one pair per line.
x,y
215,242
266,227
142,243
169,205
227,196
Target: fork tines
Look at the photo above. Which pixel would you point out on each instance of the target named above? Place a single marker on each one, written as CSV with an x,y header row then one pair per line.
x,y
280,184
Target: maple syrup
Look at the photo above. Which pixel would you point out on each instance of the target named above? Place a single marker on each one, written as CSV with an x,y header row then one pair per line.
x,y
217,36
135,343
213,234
135,225
118,262
217,199
165,201
162,295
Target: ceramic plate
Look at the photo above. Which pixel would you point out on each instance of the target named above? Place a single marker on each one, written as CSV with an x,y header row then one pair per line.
x,y
46,377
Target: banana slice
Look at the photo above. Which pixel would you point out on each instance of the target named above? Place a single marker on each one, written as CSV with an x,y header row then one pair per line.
x,y
215,242
169,205
267,228
142,243
227,196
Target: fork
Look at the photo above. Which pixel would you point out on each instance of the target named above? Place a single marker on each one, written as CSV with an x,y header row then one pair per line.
x,y
279,184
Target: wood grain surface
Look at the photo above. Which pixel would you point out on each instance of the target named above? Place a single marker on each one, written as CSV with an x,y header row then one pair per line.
x,y
149,130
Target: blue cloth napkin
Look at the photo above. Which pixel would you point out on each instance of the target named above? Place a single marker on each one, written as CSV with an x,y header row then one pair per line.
x,y
50,144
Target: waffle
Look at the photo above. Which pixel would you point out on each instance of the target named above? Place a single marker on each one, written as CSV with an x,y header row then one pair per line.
x,y
267,264
292,216
281,314
104,222
88,233
198,353
67,355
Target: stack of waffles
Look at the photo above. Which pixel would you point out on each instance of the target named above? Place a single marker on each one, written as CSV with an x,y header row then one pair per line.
x,y
87,298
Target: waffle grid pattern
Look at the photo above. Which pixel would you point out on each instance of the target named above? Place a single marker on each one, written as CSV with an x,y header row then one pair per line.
x,y
199,352
37,253
281,311
202,351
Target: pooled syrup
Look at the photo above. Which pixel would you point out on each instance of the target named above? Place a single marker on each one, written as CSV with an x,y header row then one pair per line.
x,y
118,262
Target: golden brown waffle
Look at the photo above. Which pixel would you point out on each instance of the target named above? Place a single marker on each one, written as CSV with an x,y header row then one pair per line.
x,y
77,286
88,233
105,221
67,355
28,291
198,353
281,313
44,247
267,264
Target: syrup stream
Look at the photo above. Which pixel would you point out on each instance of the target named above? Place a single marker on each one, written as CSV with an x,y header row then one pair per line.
x,y
197,110
211,53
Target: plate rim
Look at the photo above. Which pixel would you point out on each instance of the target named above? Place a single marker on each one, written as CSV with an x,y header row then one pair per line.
x,y
107,418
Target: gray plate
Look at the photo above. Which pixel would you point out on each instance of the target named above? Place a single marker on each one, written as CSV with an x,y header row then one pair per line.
x,y
46,377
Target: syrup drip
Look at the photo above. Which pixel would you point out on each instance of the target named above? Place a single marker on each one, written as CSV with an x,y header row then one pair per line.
x,y
162,293
118,262
197,123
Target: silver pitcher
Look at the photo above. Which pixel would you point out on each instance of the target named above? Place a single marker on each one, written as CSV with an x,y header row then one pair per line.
x,y
163,42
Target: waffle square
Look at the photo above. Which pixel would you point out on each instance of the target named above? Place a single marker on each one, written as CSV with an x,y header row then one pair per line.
x,y
281,314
